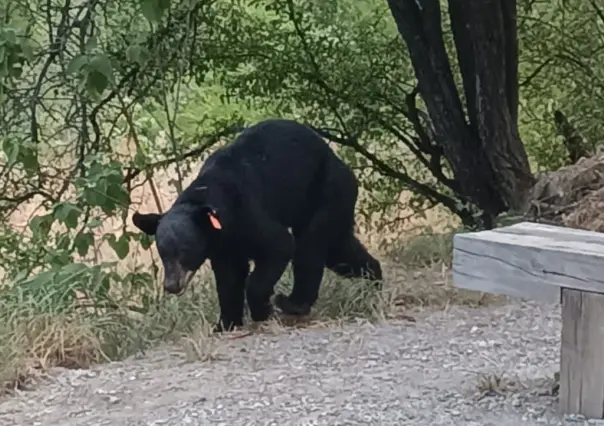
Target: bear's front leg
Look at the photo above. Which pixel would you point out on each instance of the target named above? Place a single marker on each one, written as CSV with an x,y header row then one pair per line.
x,y
230,276
269,266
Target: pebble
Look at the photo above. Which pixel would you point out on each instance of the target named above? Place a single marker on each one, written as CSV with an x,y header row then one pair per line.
x,y
389,374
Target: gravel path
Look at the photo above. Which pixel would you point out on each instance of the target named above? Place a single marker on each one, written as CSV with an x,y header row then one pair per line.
x,y
403,373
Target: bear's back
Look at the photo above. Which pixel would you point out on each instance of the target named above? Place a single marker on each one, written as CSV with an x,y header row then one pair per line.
x,y
278,162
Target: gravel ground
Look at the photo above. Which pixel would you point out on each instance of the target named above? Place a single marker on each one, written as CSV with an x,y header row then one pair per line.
x,y
400,373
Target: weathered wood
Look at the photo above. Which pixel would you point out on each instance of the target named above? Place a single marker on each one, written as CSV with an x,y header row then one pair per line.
x,y
581,366
552,264
529,261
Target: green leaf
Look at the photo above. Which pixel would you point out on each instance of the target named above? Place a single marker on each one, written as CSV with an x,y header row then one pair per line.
x,y
143,239
4,69
146,241
153,10
102,64
58,258
94,223
10,35
99,73
81,87
76,63
117,195
40,225
94,193
27,50
16,70
140,159
102,290
83,242
29,158
68,214
38,282
120,245
92,43
133,53
63,241
74,269
96,83
11,149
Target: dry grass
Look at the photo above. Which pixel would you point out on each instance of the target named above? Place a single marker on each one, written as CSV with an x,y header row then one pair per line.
x,y
424,250
33,339
34,336
496,384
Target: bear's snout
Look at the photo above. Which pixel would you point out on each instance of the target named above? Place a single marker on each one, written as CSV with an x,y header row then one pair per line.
x,y
173,288
177,279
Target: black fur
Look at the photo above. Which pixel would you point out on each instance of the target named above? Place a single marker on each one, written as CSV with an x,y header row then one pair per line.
x,y
277,174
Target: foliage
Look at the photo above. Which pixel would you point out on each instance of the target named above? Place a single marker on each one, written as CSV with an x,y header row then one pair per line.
x,y
342,68
89,85
100,97
562,48
187,78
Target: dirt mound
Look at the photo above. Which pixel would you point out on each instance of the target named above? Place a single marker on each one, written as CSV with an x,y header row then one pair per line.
x,y
572,196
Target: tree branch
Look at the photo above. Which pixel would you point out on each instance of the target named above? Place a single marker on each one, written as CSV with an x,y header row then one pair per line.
x,y
133,172
415,186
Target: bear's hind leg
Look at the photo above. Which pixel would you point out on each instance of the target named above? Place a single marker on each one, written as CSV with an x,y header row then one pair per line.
x,y
328,225
308,265
230,276
352,260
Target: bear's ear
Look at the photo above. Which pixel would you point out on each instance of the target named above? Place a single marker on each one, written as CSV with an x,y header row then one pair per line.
x,y
146,222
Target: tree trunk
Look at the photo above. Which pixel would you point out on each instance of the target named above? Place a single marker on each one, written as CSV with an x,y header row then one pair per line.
x,y
485,152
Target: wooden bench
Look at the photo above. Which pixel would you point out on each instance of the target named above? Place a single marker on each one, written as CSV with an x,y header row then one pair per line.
x,y
550,264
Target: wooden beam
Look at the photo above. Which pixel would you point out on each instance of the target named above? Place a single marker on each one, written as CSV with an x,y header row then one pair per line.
x,y
529,261
548,263
581,366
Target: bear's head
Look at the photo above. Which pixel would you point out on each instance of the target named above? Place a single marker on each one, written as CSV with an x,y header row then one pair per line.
x,y
181,235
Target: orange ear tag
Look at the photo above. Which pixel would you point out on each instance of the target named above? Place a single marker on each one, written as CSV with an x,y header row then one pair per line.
x,y
214,221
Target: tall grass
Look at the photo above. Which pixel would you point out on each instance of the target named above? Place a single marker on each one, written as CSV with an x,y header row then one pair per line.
x,y
71,318
70,323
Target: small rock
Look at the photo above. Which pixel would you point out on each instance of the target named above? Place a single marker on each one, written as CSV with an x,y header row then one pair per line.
x,y
574,418
113,399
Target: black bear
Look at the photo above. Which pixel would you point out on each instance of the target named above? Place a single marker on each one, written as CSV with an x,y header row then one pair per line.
x,y
277,174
